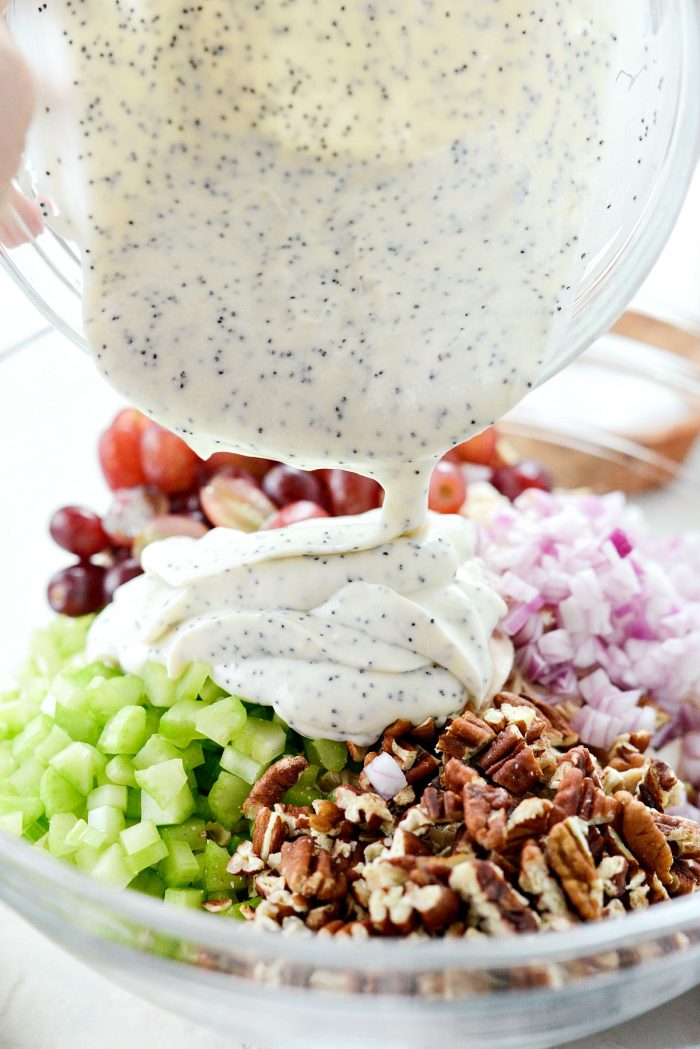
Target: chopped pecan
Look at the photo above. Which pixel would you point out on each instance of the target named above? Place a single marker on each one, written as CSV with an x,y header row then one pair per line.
x,y
274,784
368,810
613,870
311,872
578,795
424,768
625,755
510,761
529,819
405,843
356,752
425,733
431,803
535,879
269,831
437,905
244,860
569,856
326,817
494,905
656,787
682,835
318,917
686,877
485,809
457,774
644,838
465,737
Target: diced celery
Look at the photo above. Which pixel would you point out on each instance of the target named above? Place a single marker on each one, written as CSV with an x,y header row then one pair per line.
x,y
60,826
261,740
155,750
235,911
184,897
26,779
57,794
112,795
149,882
238,764
37,833
120,770
55,644
180,867
178,723
35,732
210,691
133,803
86,858
190,684
304,790
112,868
108,820
82,835
107,696
222,720
180,808
328,753
125,732
226,798
17,713
12,823
56,741
163,781
216,877
160,689
7,762
80,726
193,755
143,846
192,831
31,808
79,764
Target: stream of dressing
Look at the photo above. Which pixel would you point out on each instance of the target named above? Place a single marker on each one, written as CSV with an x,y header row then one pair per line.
x,y
338,235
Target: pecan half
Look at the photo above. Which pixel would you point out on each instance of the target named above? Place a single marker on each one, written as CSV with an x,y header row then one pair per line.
x,y
569,856
274,784
465,737
645,840
311,872
510,761
484,809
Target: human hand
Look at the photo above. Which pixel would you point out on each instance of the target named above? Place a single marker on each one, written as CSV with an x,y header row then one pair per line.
x,y
20,219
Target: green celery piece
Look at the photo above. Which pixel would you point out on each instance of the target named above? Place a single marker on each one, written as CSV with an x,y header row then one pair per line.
x,y
235,911
328,753
180,867
184,897
79,764
193,755
238,764
32,735
191,682
192,831
155,750
112,868
86,858
304,790
143,846
178,723
114,796
150,883
133,803
82,835
37,834
163,781
12,823
106,696
222,720
60,826
55,742
160,689
180,808
216,878
80,726
125,732
108,821
16,714
31,808
261,740
120,770
210,691
57,795
26,779
226,798
7,762
54,645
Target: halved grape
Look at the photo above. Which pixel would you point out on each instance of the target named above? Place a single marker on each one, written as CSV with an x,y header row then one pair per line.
x,y
350,493
448,488
285,484
233,502
130,511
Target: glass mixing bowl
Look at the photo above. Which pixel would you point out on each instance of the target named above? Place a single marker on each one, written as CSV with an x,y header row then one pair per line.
x,y
281,992
647,161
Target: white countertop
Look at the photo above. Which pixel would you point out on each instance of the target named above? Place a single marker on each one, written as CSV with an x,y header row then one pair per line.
x,y
47,999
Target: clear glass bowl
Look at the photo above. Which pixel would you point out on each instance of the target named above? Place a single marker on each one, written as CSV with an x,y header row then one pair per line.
x,y
281,992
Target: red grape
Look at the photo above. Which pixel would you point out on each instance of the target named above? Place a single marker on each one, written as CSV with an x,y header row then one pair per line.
x,y
131,420
120,573
512,481
302,510
77,590
479,449
351,493
285,484
167,525
248,464
168,462
120,458
448,488
234,502
131,510
78,530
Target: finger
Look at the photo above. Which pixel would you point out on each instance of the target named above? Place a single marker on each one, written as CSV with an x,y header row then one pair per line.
x,y
20,220
16,107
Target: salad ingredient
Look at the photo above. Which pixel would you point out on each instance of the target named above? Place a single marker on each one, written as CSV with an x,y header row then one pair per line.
x,y
79,531
514,479
77,590
130,511
286,484
118,574
293,513
167,462
448,488
480,449
350,493
119,451
234,502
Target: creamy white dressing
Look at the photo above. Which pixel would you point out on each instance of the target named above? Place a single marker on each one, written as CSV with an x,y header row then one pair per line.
x,y
340,635
333,234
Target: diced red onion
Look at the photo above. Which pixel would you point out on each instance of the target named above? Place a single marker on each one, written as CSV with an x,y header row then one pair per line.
x,y
621,543
385,775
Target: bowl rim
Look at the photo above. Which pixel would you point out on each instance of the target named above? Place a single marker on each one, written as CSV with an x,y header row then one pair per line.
x,y
533,949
